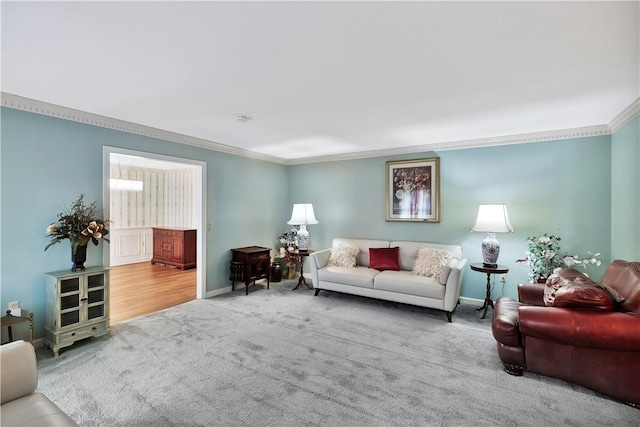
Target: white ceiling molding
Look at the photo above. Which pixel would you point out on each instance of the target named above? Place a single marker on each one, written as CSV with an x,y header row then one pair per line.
x,y
47,109
38,107
583,132
628,114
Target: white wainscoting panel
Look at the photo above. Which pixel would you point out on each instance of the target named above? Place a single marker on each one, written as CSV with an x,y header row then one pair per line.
x,y
131,245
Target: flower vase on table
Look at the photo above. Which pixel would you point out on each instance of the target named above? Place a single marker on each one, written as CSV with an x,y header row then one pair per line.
x,y
78,256
80,225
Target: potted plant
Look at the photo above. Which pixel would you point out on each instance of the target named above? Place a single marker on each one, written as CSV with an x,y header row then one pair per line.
x,y
543,257
80,225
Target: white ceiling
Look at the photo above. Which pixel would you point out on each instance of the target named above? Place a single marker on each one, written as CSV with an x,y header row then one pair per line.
x,y
329,78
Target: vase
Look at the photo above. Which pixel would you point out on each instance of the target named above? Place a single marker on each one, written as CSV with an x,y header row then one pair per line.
x,y
276,271
291,270
78,256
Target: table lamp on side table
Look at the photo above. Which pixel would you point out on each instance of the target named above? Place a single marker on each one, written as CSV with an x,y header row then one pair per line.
x,y
492,219
302,215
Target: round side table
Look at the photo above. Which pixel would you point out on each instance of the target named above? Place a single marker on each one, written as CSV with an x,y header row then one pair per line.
x,y
498,269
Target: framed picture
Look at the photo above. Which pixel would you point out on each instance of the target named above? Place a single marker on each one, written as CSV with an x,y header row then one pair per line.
x,y
413,190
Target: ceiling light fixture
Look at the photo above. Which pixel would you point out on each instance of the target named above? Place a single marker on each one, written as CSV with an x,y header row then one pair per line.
x,y
242,117
120,184
125,184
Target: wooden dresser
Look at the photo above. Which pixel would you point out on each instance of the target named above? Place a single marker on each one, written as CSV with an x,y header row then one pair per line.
x,y
174,246
249,264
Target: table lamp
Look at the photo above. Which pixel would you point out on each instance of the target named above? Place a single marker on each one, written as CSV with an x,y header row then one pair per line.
x,y
492,219
302,215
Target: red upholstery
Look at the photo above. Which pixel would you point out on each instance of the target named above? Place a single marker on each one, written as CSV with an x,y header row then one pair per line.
x,y
384,258
596,349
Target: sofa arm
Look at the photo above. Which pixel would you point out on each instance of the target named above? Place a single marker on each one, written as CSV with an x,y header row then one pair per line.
x,y
19,375
454,283
318,260
607,330
531,293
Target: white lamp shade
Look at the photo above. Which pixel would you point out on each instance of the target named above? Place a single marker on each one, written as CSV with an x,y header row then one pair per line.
x,y
493,219
302,214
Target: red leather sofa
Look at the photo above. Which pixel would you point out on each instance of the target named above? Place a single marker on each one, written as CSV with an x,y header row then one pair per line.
x,y
576,330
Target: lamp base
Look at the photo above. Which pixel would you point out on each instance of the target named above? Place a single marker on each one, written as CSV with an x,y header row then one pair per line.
x,y
303,238
490,250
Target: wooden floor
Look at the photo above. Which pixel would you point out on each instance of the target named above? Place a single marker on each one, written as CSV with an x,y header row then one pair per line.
x,y
142,288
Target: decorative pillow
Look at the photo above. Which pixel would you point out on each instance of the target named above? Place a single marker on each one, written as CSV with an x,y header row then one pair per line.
x,y
344,256
578,292
430,262
384,258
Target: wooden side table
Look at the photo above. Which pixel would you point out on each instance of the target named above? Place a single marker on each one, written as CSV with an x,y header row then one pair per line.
x,y
9,320
299,257
250,264
499,269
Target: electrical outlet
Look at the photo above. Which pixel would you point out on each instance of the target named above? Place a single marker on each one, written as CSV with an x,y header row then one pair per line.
x,y
503,278
14,305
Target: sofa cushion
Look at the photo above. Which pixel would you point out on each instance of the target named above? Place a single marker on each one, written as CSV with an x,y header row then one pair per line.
x,y
409,251
430,262
357,276
344,256
576,292
384,259
363,245
408,283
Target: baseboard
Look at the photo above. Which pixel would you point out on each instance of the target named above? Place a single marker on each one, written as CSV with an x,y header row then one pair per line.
x,y
472,301
216,292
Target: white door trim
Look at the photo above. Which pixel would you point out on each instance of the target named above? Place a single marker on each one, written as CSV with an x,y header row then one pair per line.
x,y
201,211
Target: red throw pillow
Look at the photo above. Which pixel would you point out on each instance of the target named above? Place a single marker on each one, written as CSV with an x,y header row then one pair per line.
x,y
384,258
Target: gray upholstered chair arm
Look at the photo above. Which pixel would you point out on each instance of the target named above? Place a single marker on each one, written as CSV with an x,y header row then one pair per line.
x,y
19,372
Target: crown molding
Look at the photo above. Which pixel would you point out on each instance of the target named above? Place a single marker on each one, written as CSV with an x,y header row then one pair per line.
x,y
53,110
527,138
628,114
44,108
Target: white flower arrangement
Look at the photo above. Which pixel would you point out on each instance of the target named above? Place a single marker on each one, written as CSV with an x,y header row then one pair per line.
x,y
543,257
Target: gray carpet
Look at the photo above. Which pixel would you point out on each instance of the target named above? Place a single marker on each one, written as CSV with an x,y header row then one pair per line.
x,y
283,358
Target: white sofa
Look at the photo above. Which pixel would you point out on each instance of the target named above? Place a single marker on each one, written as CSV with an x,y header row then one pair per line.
x,y
21,404
401,286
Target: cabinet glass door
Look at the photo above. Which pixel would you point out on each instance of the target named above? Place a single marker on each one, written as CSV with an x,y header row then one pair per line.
x,y
69,301
95,296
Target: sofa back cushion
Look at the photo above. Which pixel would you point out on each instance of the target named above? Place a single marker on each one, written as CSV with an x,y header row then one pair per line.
x,y
408,251
363,246
624,277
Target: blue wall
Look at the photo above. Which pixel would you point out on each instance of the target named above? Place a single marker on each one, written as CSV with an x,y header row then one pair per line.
x,y
47,162
564,184
625,192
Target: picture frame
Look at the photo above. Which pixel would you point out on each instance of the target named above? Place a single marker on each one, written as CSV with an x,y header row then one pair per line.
x,y
413,190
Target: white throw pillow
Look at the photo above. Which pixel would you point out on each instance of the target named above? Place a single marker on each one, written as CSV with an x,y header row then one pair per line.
x,y
431,261
344,256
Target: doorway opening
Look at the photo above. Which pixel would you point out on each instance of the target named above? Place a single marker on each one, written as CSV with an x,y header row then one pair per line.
x,y
172,197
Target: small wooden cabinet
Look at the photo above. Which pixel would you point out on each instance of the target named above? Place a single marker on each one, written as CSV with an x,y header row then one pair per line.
x,y
77,306
174,246
250,264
